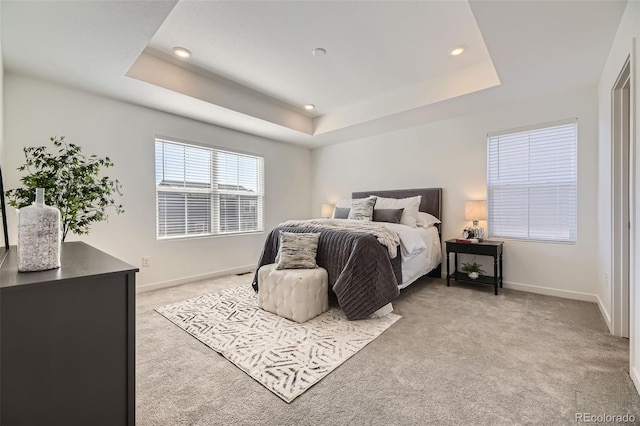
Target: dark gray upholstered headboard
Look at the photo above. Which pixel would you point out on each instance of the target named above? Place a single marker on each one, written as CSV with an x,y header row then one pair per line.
x,y
431,198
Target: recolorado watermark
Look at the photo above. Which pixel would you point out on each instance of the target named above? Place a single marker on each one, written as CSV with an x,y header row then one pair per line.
x,y
605,418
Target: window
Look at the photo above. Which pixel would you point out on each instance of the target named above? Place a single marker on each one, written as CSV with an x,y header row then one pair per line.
x,y
532,183
205,191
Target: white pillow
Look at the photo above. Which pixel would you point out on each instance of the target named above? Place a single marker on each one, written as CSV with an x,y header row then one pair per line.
x,y
344,203
410,206
426,220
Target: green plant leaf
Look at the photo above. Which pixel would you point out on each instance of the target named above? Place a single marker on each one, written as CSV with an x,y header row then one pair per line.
x,y
72,183
472,267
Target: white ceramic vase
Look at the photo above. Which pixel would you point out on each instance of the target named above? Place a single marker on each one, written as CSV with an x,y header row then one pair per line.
x,y
473,275
39,236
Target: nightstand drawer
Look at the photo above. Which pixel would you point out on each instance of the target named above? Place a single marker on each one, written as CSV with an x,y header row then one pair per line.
x,y
485,248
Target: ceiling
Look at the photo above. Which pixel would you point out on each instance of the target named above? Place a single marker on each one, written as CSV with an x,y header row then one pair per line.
x,y
252,69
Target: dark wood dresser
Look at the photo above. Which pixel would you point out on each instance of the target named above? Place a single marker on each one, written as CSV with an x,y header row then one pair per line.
x,y
67,341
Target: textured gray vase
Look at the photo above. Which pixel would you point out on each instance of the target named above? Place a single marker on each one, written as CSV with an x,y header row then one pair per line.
x,y
39,236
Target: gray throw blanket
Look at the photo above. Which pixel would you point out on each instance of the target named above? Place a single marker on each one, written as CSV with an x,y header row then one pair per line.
x,y
361,273
385,236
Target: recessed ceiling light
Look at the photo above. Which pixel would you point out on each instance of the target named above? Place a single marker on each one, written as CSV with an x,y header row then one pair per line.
x,y
456,51
181,52
309,107
319,51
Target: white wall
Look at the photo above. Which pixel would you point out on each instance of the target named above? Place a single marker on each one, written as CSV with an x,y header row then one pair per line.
x,y
1,124
452,154
620,50
36,110
1,97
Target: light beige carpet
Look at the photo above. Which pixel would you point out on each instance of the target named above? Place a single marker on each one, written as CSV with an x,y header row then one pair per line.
x,y
284,356
458,356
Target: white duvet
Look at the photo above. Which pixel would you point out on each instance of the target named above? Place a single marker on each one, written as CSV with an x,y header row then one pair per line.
x,y
411,241
421,252
420,249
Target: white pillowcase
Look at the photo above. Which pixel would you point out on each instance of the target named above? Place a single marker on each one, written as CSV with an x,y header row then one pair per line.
x,y
426,220
410,205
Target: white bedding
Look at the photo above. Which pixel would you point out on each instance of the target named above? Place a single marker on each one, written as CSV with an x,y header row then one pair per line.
x,y
420,248
412,241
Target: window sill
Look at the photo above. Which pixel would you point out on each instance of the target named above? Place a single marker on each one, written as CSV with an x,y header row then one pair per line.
x,y
523,240
206,236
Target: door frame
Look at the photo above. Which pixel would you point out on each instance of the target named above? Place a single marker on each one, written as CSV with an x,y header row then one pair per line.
x,y
623,203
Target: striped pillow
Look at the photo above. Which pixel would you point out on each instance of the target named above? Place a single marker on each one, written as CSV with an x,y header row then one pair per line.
x,y
362,209
297,250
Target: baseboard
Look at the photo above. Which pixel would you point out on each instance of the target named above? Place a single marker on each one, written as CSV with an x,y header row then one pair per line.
x,y
633,373
605,314
565,294
184,280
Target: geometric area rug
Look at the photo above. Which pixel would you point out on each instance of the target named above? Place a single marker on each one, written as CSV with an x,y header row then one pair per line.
x,y
285,357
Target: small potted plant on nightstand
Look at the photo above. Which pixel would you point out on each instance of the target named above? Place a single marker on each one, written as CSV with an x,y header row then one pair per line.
x,y
472,269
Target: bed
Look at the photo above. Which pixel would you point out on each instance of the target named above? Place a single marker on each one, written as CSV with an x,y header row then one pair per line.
x,y
363,273
430,203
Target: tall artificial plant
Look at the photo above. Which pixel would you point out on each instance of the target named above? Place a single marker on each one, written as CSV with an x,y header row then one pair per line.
x,y
72,183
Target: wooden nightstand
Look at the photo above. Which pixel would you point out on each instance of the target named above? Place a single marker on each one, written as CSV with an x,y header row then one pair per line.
x,y
485,248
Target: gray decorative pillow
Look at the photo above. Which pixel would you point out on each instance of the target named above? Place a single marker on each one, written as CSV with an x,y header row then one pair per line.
x,y
341,213
362,209
387,215
297,250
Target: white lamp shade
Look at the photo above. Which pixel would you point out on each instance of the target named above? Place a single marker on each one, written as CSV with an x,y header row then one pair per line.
x,y
475,210
327,210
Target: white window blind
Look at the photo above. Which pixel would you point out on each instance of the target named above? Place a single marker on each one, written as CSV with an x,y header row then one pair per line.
x,y
532,183
205,191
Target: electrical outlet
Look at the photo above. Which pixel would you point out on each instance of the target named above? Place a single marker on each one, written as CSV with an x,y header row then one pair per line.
x,y
606,280
146,261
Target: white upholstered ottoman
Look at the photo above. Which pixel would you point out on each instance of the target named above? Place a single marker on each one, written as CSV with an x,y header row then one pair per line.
x,y
295,294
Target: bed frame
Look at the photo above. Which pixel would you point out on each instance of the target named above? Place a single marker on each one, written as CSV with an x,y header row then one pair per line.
x,y
431,203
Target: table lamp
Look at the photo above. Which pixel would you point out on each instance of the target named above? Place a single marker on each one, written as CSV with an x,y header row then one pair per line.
x,y
476,211
327,210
